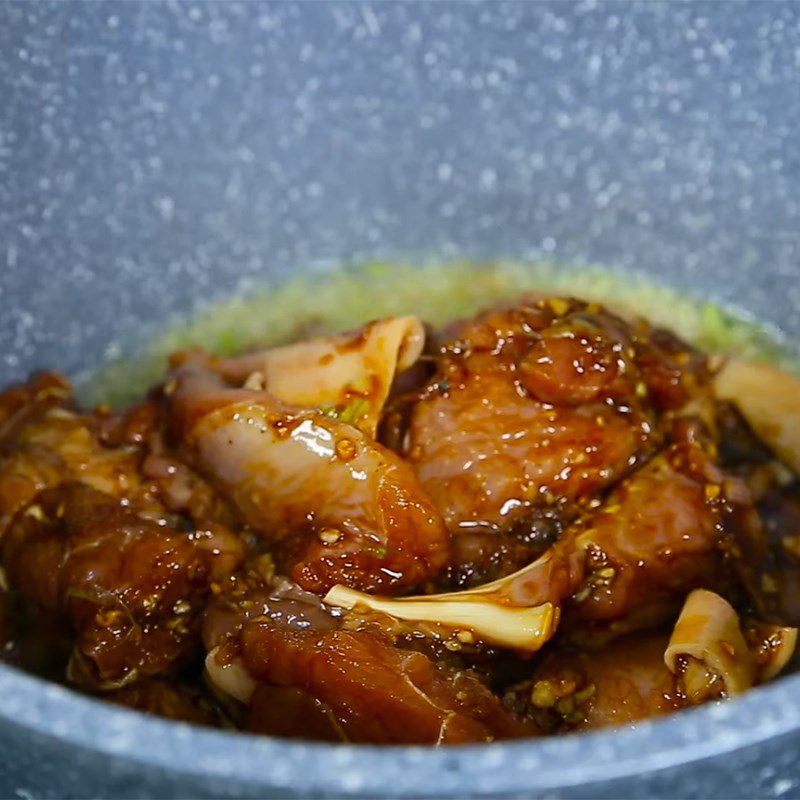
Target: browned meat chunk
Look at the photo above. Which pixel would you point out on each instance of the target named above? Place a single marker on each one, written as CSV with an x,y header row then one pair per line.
x,y
619,684
337,506
657,538
132,589
534,411
25,402
375,692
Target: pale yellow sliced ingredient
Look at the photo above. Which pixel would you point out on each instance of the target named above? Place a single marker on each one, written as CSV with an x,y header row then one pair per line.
x,y
340,369
515,627
780,654
769,399
708,631
231,678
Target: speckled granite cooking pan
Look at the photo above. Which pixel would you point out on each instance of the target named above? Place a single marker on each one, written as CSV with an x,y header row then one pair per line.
x,y
154,157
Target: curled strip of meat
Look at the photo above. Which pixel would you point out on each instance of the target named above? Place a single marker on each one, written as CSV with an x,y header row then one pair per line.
x,y
628,566
713,656
349,375
131,589
342,508
769,399
707,647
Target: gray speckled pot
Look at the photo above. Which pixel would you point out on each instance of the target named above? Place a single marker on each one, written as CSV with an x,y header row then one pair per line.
x,y
154,157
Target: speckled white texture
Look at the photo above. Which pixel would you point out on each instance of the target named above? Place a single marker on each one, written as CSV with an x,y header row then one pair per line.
x,y
154,157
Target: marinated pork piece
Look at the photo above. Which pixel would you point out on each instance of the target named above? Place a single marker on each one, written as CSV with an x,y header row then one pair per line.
x,y
532,413
46,441
285,654
339,506
122,454
378,693
131,589
27,402
626,566
658,537
35,639
73,439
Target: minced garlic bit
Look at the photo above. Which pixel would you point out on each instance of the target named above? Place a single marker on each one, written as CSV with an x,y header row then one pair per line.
x,y
346,449
35,512
255,382
329,535
559,305
544,694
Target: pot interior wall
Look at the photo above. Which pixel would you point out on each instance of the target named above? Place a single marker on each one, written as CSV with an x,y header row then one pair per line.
x,y
156,157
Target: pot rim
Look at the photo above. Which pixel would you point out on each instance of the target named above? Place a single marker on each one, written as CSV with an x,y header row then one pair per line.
x,y
70,719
